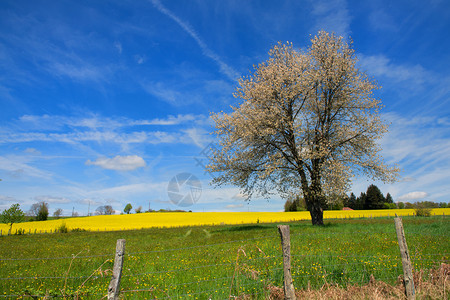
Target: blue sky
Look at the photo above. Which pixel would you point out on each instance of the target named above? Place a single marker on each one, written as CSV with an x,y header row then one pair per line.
x,y
104,102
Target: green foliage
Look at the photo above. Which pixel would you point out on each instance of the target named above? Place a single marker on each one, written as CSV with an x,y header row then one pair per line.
x,y
351,201
127,208
389,206
389,199
401,205
62,228
427,204
12,215
423,212
343,252
409,205
296,203
374,198
42,214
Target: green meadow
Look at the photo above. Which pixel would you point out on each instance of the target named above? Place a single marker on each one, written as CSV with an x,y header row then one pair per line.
x,y
216,262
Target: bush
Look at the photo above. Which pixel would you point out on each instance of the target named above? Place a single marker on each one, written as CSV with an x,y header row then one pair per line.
x,y
423,212
42,214
62,228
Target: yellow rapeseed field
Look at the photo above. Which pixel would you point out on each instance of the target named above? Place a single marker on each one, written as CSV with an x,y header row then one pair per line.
x,y
178,219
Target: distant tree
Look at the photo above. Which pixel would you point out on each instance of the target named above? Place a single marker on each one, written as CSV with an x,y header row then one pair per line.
x,y
335,201
389,205
361,200
287,205
42,214
308,120
351,201
12,215
39,211
427,204
374,198
138,210
294,203
104,210
58,213
443,205
409,205
389,198
400,205
127,208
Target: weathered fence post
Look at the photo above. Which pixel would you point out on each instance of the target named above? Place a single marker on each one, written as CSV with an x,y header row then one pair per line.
x,y
289,291
114,285
406,262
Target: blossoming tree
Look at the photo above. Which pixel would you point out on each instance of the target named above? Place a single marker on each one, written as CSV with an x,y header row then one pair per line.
x,y
307,123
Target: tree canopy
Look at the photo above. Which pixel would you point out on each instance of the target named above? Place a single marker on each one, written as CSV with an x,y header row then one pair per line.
x,y
128,208
12,215
307,123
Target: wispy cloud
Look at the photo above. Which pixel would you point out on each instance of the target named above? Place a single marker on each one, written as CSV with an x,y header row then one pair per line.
x,y
332,16
52,199
224,68
380,65
81,72
18,166
118,46
71,130
161,91
119,163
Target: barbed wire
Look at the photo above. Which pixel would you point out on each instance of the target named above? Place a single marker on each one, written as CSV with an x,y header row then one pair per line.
x,y
57,258
199,246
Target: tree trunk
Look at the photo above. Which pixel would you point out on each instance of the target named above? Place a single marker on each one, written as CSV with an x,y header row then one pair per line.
x,y
316,211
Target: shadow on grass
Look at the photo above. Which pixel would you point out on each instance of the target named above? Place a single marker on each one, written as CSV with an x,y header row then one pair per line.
x,y
245,228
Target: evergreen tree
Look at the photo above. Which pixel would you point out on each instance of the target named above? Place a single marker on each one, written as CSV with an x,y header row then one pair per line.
x,y
374,198
389,198
352,202
361,200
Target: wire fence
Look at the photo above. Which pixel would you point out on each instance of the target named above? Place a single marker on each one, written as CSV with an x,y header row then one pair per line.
x,y
224,269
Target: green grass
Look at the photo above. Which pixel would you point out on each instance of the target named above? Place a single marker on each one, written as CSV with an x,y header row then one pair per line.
x,y
215,262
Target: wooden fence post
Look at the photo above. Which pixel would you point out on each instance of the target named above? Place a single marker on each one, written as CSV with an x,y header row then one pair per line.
x,y
406,262
289,291
114,285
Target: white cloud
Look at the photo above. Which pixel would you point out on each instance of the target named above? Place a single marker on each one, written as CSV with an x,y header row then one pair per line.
x,y
234,205
413,196
119,163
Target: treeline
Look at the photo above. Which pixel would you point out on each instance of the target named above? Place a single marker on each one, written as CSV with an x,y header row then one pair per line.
x,y
373,198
